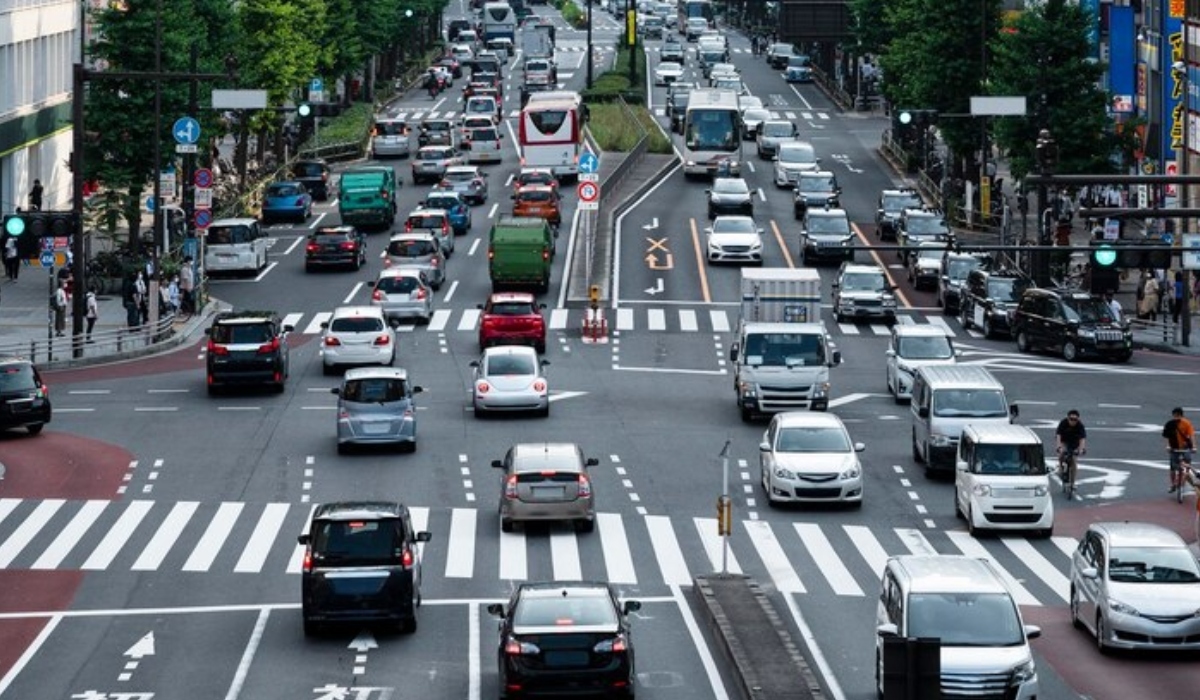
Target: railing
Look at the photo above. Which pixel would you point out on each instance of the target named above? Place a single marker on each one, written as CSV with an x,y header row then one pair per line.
x,y
105,343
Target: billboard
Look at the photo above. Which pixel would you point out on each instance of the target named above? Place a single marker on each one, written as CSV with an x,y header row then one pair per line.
x,y
1172,89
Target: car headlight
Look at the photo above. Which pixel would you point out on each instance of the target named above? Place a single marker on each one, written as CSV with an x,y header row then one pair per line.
x,y
756,246
690,164
981,490
1121,608
851,473
747,390
1024,673
940,440
1086,333
889,301
781,473
820,390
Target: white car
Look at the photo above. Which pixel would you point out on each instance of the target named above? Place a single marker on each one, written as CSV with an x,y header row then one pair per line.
x,y
463,52
793,158
734,239
748,102
357,335
667,73
807,456
510,378
912,347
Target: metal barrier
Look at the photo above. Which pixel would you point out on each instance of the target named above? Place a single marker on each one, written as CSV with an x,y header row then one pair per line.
x,y
105,343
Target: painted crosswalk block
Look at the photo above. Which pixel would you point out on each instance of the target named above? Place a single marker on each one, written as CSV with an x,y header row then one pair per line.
x,y
650,551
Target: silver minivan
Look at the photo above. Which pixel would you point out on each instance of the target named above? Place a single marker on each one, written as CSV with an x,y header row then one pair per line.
x,y
390,138
945,398
418,251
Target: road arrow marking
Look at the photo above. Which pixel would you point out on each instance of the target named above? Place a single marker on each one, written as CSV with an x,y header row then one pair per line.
x,y
142,648
652,262
560,395
658,288
652,225
365,641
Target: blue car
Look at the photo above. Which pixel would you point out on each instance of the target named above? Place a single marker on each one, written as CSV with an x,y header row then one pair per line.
x,y
456,209
799,70
286,201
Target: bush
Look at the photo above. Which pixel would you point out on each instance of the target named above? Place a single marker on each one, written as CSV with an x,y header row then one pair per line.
x,y
573,16
610,127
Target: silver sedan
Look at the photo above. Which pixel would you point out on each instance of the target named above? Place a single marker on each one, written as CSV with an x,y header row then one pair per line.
x,y
375,406
510,378
403,294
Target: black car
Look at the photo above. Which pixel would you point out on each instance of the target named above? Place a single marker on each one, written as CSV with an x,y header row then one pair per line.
x,y
729,195
314,175
677,105
1072,323
561,639
989,300
919,226
248,347
362,562
955,268
24,397
335,246
825,234
456,26
816,189
891,204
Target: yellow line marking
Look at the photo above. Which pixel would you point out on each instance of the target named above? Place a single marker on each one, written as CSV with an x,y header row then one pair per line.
x,y
787,256
700,261
879,261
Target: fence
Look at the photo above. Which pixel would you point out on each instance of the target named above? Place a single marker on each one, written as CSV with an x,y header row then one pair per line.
x,y
103,343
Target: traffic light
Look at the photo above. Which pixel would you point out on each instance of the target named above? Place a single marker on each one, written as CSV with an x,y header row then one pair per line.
x,y
1157,259
30,227
304,110
1104,255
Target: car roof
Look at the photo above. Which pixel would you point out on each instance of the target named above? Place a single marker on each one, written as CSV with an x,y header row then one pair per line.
x,y
831,213
532,454
509,350
435,148
858,268
1002,433
346,311
1127,534
538,187
375,373
808,419
401,271
426,212
463,169
733,217
814,174
506,297
333,230
247,317
561,589
414,235
359,510
942,573
14,360
904,330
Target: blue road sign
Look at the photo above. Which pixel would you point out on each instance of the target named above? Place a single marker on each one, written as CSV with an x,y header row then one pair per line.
x,y
48,259
186,130
202,218
150,204
1168,239
588,163
316,85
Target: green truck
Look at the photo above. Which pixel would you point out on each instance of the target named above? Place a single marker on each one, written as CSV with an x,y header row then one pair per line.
x,y
520,251
367,196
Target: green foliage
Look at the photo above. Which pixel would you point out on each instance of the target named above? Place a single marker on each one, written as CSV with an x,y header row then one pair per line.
x,y
344,47
284,58
351,125
574,16
1044,57
867,24
611,127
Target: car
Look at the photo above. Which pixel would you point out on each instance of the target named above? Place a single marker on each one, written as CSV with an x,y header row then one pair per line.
x,y
667,72
474,121
468,181
798,69
1135,586
729,195
826,234
735,84
435,222
746,102
510,318
713,71
863,292
653,27
734,239
818,188
502,47
1072,323
451,64
361,563
453,28
477,86
920,225
469,37
583,626
540,72
953,273
925,264
752,120
491,82
546,481
435,132
430,163
404,294
989,300
535,176
418,250
456,209
892,203
771,133
288,200
314,175
463,52
483,145
247,347
808,456
24,396
389,138
488,62
676,109
778,55
539,201
356,335
911,347
672,50
793,158
481,105
335,246
510,378
376,407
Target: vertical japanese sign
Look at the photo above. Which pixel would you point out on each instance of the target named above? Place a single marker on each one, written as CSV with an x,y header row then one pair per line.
x,y
1173,105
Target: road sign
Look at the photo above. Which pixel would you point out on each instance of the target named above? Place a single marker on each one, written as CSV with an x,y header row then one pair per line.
x,y
316,85
48,259
202,218
186,148
1168,238
204,198
47,244
589,177
588,191
1191,251
589,163
186,130
203,177
150,204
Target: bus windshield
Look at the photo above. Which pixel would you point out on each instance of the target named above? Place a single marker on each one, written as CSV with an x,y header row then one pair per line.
x,y
712,130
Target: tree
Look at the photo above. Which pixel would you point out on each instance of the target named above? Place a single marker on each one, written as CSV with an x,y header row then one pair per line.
x,y
1044,54
867,23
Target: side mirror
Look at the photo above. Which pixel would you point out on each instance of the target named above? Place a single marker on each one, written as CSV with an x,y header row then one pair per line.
x,y
837,357
859,446
887,630
324,325
890,353
336,391
1014,411
923,412
631,606
304,539
541,306
1090,572
497,464
479,306
960,465
544,362
1032,631
733,351
591,462
424,536
418,390
496,609
289,328
473,363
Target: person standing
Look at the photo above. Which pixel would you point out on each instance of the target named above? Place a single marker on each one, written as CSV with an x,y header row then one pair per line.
x,y
12,260
35,196
1114,307
61,300
187,284
1148,306
129,300
91,314
1177,295
141,299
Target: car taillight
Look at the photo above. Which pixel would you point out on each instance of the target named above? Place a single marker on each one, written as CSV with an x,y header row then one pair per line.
x,y
312,248
348,245
491,254
300,199
444,183
477,182
539,385
421,293
308,563
383,193
514,647
215,349
324,176
383,340
545,253
617,644
406,558
446,227
408,227
331,341
269,347
433,262
43,391
585,486
483,387
377,295
510,486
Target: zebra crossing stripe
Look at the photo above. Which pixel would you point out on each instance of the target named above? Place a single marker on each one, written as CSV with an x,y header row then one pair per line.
x,y
868,547
165,537
28,529
514,563
848,328
941,323
823,115
1040,566
617,559
558,319
254,556
8,505
687,320
773,557
209,546
970,546
314,326
625,319
791,115
292,319
437,322
104,553
69,536
713,543
1066,545
656,319
469,320
461,543
564,551
666,551
915,541
828,562
296,562
905,320
720,321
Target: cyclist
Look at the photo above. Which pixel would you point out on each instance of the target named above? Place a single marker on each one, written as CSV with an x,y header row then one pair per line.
x,y
1180,436
1070,439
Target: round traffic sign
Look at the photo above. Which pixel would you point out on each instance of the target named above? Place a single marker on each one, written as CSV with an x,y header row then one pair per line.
x,y
202,218
150,204
203,177
588,191
48,259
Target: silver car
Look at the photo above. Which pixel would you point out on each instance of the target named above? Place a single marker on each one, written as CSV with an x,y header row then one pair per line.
x,y
375,406
793,158
510,378
418,251
403,294
435,222
483,145
1136,586
357,335
808,456
430,163
771,134
467,181
390,138
546,481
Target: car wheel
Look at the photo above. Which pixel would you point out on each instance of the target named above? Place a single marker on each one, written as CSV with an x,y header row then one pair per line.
x,y
916,450
878,675
1075,621
35,428
971,529
957,509
279,387
540,348
1101,644
747,414
586,525
327,370
545,412
964,317
1023,342
311,628
938,299
479,412
987,327
506,525
1070,351
408,625
343,448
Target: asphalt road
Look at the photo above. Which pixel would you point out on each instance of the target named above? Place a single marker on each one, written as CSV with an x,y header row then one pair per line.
x,y
147,538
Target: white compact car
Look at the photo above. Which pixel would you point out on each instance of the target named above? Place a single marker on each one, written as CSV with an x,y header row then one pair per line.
x,y
357,335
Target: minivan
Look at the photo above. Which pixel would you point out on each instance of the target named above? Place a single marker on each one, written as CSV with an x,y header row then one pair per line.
x,y
964,603
945,398
235,245
389,138
1001,481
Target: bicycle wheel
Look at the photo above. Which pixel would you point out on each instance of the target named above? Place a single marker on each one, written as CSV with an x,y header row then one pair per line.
x,y
1071,467
1178,474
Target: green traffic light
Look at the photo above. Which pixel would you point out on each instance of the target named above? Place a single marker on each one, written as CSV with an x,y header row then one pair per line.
x,y
304,110
1105,256
14,225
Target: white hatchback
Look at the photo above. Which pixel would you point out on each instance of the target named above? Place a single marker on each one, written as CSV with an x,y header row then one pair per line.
x,y
357,335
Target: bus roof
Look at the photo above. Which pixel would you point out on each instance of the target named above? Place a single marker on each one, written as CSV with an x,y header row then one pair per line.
x,y
712,97
553,97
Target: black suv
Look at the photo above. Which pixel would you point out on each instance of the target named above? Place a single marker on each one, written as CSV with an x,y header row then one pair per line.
x,y
955,268
989,300
456,26
361,562
1070,322
314,175
816,189
918,226
24,397
247,347
337,246
825,234
729,195
891,204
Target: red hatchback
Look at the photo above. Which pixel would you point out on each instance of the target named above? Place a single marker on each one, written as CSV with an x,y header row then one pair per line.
x,y
512,318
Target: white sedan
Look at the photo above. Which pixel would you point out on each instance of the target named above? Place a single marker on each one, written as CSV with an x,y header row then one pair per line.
x,y
667,73
734,239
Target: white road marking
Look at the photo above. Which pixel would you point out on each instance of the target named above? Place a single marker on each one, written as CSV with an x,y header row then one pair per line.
x,y
104,553
166,536
209,546
773,557
461,541
618,561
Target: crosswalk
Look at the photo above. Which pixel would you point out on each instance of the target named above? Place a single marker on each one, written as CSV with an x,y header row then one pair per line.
x,y
635,319
806,115
647,551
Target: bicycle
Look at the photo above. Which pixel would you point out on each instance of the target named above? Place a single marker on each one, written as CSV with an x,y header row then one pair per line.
x,y
1180,460
1067,467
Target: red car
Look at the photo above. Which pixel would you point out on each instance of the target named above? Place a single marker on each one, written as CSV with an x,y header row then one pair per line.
x,y
535,176
512,318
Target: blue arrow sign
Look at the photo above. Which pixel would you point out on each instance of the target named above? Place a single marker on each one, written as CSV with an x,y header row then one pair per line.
x,y
186,130
48,259
150,203
1168,239
588,163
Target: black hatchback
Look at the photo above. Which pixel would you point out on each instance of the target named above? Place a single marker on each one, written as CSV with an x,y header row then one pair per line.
x,y
362,562
24,397
335,246
314,175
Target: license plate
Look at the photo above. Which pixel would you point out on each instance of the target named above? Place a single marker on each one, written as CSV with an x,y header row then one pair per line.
x,y
548,492
375,428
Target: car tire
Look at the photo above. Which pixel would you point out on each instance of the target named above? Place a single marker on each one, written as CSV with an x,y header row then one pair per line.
x,y
1073,603
585,525
408,625
1023,342
747,415
327,370
479,412
964,317
1101,646
279,387
972,530
987,327
957,509
1070,351
311,628
343,448
916,449
506,525
35,428
540,348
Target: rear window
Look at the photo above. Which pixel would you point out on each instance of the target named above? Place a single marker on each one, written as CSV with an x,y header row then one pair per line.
x,y
426,221
580,610
436,126
535,197
241,333
17,377
390,128
283,191
459,175
358,542
484,135
397,285
227,235
442,202
356,324
510,364
412,249
436,154
329,238
374,389
512,308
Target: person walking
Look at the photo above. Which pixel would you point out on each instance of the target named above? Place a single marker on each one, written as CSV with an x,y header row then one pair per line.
x,y
187,285
1177,295
61,299
91,314
141,299
35,196
1148,306
12,261
129,300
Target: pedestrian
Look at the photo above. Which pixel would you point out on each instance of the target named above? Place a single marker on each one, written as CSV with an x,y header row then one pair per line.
x,y
187,283
61,300
12,261
91,314
129,299
35,196
1148,306
173,297
1177,296
141,300
1114,307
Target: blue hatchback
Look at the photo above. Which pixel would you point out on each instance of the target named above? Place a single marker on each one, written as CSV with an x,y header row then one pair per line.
x,y
456,209
289,200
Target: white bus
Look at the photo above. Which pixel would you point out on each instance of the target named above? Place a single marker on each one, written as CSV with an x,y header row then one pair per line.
x,y
499,21
551,132
712,129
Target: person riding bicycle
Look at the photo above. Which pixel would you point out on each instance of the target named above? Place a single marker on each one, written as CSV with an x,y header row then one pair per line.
x,y
1181,437
1071,436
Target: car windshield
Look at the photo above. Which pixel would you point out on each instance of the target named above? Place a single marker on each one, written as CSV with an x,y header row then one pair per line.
x,y
1087,311
812,439
411,248
734,224
969,403
925,225
510,365
1014,460
398,284
796,154
357,542
426,221
784,350
17,377
965,619
241,333
1152,565
828,225
564,611
283,191
1006,289
459,176
373,390
730,185
863,282
756,115
959,268
331,238
356,324
816,184
436,154
896,203
932,347
777,129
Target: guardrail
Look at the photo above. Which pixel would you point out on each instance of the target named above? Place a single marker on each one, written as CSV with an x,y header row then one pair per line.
x,y
103,343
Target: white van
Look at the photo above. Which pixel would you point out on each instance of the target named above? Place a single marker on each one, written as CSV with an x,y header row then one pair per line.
x,y
963,602
483,105
945,398
235,245
1001,481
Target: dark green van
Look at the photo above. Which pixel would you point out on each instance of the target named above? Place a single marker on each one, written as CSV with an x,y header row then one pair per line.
x,y
367,196
520,251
